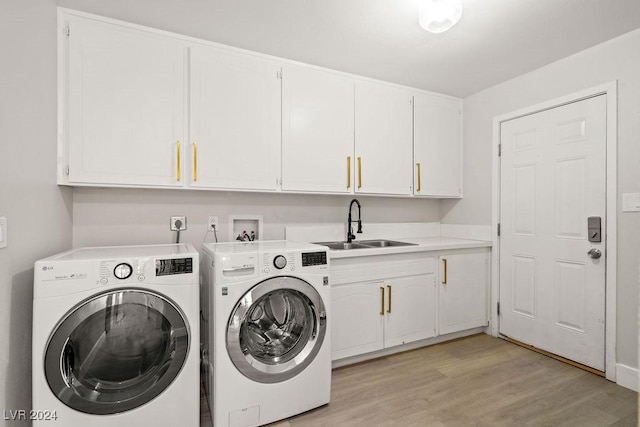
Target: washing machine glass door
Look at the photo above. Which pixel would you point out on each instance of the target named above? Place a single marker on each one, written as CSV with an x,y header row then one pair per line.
x,y
276,329
116,351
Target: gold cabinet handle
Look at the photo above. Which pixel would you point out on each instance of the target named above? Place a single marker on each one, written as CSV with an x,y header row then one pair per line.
x,y
389,305
348,171
419,178
359,172
179,161
195,161
444,279
381,300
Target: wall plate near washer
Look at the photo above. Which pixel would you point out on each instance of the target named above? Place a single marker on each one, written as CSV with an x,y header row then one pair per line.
x,y
245,225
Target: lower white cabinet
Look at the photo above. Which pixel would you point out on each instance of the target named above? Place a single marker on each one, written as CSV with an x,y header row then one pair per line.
x,y
409,314
357,326
384,301
462,290
381,301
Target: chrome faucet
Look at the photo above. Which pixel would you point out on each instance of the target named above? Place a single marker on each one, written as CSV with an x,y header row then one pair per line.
x,y
350,235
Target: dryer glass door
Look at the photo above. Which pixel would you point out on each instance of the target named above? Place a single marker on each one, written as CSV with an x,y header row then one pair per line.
x,y
276,329
116,351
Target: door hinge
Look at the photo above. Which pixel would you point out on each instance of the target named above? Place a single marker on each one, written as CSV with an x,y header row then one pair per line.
x,y
66,169
498,308
66,31
279,74
499,150
498,229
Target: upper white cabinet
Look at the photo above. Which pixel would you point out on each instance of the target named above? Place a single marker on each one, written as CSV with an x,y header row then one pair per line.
x,y
123,106
437,146
234,120
145,108
317,130
383,139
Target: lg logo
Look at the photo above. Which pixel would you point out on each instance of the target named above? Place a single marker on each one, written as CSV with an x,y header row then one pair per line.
x,y
47,268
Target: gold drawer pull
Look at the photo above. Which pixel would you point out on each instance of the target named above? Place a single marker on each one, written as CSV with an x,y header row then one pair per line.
x,y
389,306
359,172
348,171
444,280
419,178
381,300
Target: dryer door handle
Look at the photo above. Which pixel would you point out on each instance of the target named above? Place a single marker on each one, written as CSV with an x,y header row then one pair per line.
x,y
66,365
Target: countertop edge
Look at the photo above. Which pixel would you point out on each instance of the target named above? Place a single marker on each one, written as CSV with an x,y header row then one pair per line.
x,y
421,245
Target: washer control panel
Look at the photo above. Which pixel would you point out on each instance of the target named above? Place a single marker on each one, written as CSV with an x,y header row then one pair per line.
x,y
279,262
123,271
314,258
291,261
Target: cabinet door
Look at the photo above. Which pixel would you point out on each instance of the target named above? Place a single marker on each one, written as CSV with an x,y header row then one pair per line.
x,y
462,294
235,120
410,309
125,105
383,135
357,324
317,131
437,147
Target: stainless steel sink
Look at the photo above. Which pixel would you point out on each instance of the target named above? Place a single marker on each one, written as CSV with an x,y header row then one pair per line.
x,y
364,244
343,245
384,243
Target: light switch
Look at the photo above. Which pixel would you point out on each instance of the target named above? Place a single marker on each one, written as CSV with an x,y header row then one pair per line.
x,y
3,231
630,202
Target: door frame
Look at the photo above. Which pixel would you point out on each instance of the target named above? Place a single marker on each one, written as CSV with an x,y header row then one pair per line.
x,y
609,89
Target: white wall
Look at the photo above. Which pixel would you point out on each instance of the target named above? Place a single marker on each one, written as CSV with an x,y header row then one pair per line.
x,y
618,59
38,212
133,216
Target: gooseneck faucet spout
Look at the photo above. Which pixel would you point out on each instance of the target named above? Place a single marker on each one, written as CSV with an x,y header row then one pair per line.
x,y
350,235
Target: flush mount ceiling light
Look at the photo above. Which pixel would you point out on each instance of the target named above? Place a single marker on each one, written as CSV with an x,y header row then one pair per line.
x,y
437,16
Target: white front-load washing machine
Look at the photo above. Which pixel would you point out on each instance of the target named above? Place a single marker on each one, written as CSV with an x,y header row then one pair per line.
x,y
267,354
116,337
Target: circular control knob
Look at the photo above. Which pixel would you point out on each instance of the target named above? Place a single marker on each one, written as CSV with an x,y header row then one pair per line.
x,y
122,271
279,262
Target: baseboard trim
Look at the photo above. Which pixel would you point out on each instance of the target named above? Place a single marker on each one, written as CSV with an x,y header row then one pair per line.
x,y
352,360
628,377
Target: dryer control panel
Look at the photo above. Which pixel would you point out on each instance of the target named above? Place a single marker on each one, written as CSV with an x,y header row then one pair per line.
x,y
166,267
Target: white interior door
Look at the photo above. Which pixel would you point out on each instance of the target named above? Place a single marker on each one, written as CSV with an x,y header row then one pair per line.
x,y
553,169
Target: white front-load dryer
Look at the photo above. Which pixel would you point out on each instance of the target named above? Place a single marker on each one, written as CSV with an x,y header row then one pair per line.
x,y
116,337
267,344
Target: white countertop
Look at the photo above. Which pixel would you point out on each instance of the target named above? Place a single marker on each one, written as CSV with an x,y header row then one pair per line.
x,y
421,245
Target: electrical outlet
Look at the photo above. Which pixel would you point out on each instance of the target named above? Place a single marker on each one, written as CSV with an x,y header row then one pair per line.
x,y
213,223
174,227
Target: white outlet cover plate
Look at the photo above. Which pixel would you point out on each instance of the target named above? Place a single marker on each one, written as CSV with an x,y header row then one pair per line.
x,y
3,231
212,220
173,220
630,202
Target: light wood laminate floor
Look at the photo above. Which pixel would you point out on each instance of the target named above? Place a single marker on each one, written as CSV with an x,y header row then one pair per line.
x,y
474,381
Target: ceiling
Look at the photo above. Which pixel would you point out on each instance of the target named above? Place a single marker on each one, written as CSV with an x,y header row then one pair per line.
x,y
494,41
